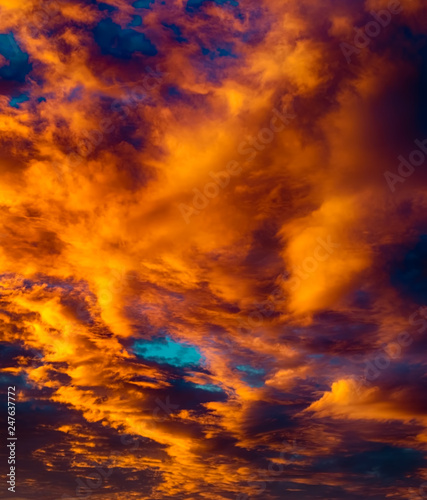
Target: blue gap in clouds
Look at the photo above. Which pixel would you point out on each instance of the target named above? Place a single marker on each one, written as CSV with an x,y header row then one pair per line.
x,y
168,351
225,51
106,6
177,32
208,387
196,4
17,67
16,101
142,4
383,462
121,43
253,376
136,21
410,275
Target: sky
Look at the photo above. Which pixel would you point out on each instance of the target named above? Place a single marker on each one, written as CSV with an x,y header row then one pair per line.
x,y
213,248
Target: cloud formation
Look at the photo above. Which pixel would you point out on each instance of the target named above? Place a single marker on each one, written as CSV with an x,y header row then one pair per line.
x,y
201,255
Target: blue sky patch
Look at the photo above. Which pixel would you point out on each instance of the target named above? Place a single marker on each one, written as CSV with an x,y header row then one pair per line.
x,y
168,351
106,6
16,101
251,370
17,67
196,4
136,21
208,387
177,32
253,376
142,4
219,52
410,274
121,43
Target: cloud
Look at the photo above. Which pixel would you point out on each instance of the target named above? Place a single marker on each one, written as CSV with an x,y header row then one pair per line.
x,y
215,339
